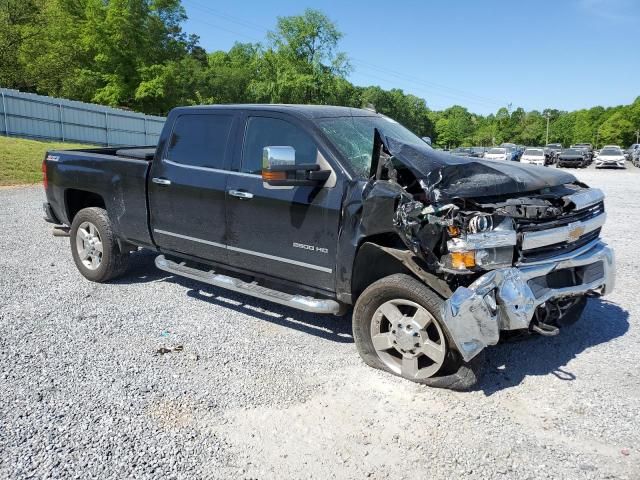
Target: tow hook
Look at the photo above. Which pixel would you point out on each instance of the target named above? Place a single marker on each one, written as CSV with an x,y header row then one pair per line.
x,y
545,329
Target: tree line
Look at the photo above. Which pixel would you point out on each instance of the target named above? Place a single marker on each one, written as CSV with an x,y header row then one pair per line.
x,y
134,54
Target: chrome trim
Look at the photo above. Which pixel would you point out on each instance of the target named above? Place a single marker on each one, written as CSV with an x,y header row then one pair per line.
x,y
503,300
280,259
241,194
209,169
564,256
248,252
552,236
187,237
585,198
306,303
161,181
599,252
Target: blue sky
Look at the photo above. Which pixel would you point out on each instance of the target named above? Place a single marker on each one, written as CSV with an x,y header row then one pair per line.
x,y
482,54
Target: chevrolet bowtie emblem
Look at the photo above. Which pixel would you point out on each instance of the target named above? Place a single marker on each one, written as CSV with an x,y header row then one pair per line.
x,y
575,232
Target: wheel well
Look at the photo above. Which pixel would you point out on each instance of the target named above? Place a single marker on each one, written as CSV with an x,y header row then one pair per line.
x,y
372,263
76,200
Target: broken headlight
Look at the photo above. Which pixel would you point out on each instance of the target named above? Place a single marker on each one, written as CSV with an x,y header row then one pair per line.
x,y
486,242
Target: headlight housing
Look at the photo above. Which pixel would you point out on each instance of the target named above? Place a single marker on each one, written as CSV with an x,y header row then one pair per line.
x,y
487,242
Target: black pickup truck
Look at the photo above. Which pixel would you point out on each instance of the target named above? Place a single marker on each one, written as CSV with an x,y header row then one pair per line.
x,y
320,208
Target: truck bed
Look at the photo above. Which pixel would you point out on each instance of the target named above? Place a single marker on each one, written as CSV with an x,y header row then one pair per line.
x,y
117,175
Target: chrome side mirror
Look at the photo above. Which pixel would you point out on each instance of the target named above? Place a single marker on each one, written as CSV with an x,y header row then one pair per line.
x,y
279,169
278,156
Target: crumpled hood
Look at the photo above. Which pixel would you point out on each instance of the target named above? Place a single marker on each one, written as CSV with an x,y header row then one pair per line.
x,y
447,176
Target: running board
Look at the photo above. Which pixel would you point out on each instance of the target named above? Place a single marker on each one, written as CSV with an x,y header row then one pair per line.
x,y
308,304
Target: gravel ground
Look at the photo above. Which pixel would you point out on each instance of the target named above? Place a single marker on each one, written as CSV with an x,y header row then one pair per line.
x,y
263,391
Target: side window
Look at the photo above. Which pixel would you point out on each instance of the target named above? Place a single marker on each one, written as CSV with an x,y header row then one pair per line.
x,y
264,132
200,140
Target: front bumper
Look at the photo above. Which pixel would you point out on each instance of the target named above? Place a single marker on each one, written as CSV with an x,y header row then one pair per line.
x,y
615,164
507,298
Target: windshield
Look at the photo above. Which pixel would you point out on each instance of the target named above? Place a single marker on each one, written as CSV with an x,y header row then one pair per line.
x,y
610,151
571,151
533,152
554,146
353,136
497,151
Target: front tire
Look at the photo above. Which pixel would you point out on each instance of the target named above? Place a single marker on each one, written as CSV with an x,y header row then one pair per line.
x,y
94,246
398,328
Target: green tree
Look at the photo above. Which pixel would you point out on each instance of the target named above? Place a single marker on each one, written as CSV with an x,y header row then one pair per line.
x,y
20,20
301,63
617,130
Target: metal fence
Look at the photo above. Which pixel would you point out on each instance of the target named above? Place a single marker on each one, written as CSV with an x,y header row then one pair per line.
x,y
36,116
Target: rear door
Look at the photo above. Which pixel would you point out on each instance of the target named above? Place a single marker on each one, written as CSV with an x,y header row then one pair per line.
x,y
285,232
188,184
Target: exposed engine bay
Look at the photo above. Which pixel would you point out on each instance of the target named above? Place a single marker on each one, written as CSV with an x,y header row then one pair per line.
x,y
515,244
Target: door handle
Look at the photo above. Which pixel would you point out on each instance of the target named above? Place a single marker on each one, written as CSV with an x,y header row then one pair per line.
x,y
161,181
241,194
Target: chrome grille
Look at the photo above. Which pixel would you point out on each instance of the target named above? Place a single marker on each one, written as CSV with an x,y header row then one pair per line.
x,y
544,239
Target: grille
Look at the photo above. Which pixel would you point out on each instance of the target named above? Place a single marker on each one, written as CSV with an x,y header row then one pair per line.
x,y
550,251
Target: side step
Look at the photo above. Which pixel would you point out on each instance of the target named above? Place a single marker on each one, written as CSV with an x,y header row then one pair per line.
x,y
308,304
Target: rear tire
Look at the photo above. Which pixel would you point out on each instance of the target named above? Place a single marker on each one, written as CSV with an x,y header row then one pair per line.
x,y
398,310
94,246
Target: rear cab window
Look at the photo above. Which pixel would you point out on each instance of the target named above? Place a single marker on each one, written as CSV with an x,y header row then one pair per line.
x,y
200,141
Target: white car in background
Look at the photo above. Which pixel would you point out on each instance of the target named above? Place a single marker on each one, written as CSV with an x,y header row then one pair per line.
x,y
497,153
534,156
610,156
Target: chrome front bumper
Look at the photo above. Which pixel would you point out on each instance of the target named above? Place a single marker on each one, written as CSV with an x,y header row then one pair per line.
x,y
507,298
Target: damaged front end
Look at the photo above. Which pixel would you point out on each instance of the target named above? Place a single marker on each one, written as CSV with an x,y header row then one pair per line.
x,y
512,243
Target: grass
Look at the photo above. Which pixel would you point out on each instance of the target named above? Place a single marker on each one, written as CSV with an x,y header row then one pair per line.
x,y
21,160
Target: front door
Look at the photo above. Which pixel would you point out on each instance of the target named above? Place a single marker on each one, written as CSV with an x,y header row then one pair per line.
x,y
285,232
188,184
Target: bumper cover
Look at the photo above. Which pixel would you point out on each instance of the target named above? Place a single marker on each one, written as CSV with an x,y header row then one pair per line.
x,y
507,298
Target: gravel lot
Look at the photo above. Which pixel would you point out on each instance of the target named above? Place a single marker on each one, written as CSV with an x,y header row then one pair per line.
x,y
263,391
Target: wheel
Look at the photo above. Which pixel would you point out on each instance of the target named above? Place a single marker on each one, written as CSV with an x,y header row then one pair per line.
x,y
94,246
397,327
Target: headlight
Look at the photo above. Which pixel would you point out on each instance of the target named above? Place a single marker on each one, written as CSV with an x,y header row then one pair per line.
x,y
480,223
484,244
486,258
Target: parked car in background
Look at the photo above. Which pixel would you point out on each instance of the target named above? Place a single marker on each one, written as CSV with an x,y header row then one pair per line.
x,y
611,157
631,150
534,156
553,150
497,153
478,152
635,157
587,148
462,152
516,151
573,157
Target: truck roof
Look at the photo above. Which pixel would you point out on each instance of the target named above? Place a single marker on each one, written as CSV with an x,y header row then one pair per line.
x,y
308,111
